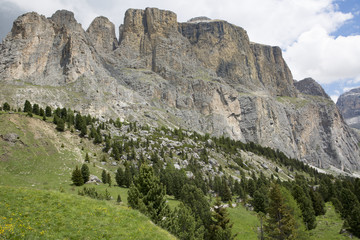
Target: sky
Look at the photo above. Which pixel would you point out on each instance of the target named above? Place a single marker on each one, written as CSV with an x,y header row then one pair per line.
x,y
319,38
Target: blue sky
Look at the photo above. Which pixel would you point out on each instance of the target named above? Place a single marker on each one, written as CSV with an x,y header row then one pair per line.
x,y
319,38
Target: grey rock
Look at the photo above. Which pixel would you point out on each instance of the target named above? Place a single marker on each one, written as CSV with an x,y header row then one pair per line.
x,y
205,76
349,106
311,87
10,137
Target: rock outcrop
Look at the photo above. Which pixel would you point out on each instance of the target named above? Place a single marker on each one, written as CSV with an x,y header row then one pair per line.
x,y
349,105
311,87
204,74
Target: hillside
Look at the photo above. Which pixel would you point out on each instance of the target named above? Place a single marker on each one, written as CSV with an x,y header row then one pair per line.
x,y
43,214
205,76
37,176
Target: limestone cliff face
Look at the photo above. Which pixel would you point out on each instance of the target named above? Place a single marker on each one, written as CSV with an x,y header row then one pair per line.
x,y
205,75
349,105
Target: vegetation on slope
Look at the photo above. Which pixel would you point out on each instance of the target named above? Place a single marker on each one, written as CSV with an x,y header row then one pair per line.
x,y
41,214
183,161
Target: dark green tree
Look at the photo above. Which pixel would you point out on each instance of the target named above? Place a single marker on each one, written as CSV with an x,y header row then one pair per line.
x,y
119,177
185,226
36,109
87,158
194,198
27,107
220,228
148,195
305,204
104,176
128,177
77,177
85,172
317,202
353,220
48,111
260,200
60,125
280,223
6,106
108,179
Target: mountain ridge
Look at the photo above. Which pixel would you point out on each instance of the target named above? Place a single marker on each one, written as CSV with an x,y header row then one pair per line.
x,y
205,76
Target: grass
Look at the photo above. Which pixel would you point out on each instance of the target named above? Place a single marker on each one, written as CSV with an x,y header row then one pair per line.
x,y
41,214
328,226
245,222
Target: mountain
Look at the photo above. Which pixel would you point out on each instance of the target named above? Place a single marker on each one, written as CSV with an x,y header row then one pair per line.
x,y
203,75
349,106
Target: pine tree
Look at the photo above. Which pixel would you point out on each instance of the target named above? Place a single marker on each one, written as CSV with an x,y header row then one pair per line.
x,y
87,158
220,228
260,200
354,220
108,179
148,194
27,107
85,172
185,225
119,177
77,178
225,192
280,223
318,203
6,107
60,125
104,177
36,109
48,111
306,206
128,178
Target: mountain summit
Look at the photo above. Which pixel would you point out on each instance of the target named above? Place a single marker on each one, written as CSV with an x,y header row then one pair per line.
x,y
203,75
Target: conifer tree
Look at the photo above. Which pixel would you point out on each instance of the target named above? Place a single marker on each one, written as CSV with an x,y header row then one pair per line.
x,y
36,109
317,202
85,172
220,228
60,125
48,111
108,179
185,225
77,177
87,158
305,204
6,106
281,223
128,178
148,195
27,107
104,176
119,177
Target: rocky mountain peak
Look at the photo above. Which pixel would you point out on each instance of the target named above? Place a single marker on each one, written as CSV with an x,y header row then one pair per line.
x,y
199,19
65,18
203,75
29,25
349,106
311,87
102,34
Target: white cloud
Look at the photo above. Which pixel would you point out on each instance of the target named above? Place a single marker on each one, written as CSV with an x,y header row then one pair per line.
x,y
346,89
334,98
323,57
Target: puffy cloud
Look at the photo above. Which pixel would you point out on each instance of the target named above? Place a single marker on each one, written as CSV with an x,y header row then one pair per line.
x,y
324,57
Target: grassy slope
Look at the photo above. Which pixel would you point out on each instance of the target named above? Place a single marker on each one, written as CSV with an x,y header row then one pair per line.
x,y
38,161
41,214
